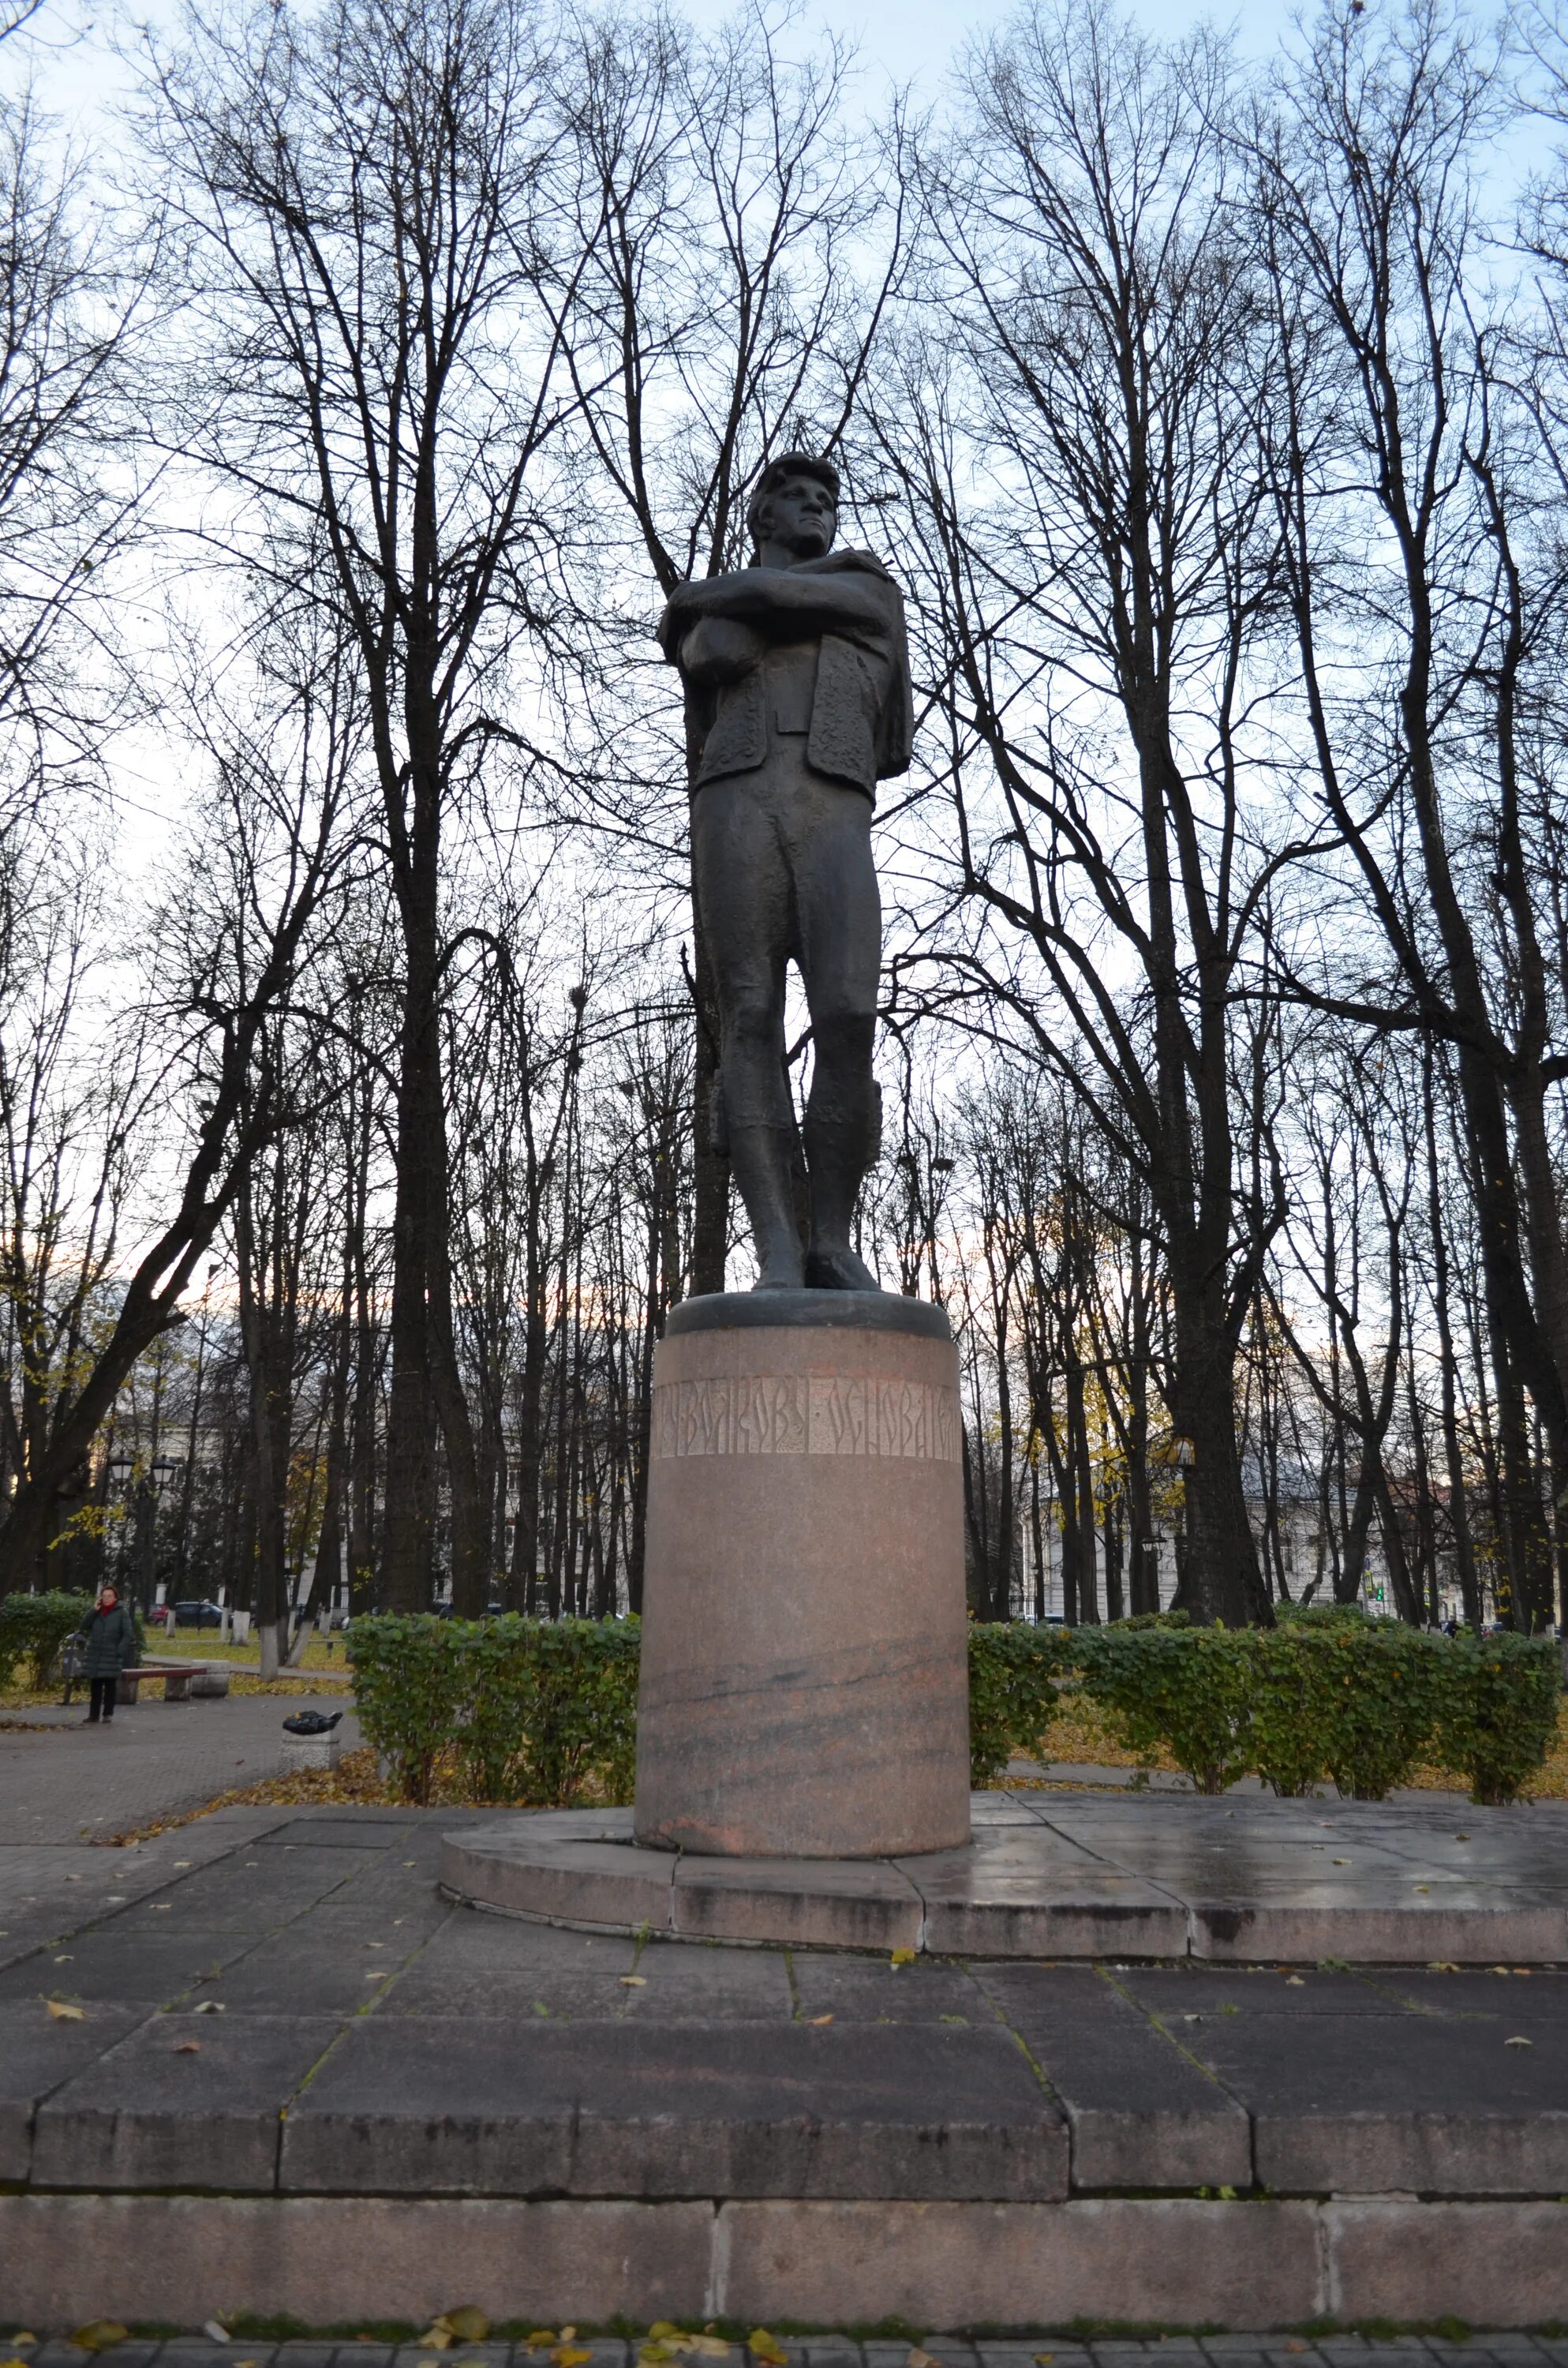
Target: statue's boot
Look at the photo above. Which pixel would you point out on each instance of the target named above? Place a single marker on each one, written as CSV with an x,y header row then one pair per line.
x,y
762,1157
839,1151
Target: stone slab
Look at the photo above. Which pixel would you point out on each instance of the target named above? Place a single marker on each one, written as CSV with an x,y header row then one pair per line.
x,y
1370,2104
1036,1893
1142,2112
327,2260
490,1969
582,1881
149,2113
105,1966
1360,1922
873,1989
662,2109
845,1904
37,2055
1490,2264
1173,2263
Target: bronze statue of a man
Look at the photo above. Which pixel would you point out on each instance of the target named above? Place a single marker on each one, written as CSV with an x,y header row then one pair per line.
x,y
798,703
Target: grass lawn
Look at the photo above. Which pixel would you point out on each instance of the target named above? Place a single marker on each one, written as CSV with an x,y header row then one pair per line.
x,y
204,1645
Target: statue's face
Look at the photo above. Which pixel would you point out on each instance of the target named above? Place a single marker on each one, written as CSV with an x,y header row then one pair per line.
x,y
800,514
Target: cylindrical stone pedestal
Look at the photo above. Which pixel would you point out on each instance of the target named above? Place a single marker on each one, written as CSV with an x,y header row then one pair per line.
x,y
805,1684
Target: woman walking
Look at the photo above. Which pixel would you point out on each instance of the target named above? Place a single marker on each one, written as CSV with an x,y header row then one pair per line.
x,y
108,1637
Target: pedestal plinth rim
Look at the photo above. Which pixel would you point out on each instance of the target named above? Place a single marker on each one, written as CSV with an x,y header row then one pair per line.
x,y
862,1311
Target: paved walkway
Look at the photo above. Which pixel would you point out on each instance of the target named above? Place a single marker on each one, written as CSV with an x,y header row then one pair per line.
x,y
1479,2350
71,1783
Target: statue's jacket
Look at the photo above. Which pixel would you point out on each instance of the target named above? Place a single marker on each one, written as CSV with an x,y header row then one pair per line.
x,y
862,719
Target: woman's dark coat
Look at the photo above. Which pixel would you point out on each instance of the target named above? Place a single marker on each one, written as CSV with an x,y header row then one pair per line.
x,y
108,1642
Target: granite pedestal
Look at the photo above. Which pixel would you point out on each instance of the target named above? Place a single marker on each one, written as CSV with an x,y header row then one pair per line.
x,y
804,1682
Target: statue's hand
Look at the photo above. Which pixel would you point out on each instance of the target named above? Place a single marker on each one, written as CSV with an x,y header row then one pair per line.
x,y
717,651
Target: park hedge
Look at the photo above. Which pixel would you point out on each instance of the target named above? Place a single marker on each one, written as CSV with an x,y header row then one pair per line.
x,y
542,1711
546,1711
36,1629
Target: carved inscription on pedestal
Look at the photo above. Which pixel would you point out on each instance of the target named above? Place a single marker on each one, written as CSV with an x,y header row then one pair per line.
x,y
798,1415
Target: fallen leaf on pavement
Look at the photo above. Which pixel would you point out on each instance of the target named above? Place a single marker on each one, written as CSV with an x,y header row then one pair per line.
x,y
217,2330
1519,2042
1294,1982
567,2355
468,2323
710,2346
634,1981
761,2345
60,2012
903,1957
818,2019
918,2359
185,2048
438,2339
98,2334
210,2006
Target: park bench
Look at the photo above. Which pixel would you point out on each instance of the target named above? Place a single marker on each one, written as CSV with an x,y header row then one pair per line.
x,y
177,1679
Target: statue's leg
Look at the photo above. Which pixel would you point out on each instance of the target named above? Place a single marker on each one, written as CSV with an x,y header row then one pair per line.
x,y
840,945
743,885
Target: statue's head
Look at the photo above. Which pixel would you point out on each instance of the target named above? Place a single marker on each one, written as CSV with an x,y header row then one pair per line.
x,y
793,511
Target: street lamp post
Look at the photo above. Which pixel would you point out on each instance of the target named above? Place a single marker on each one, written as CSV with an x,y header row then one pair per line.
x,y
143,1497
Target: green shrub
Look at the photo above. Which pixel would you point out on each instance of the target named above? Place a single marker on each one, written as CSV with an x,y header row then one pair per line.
x,y
1497,1711
1186,1688
530,1709
575,1684
36,1629
1286,1709
1377,1689
407,1693
1012,1693
1337,1694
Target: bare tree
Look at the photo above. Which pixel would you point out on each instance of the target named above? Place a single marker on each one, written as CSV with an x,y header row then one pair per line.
x,y
1071,428
374,365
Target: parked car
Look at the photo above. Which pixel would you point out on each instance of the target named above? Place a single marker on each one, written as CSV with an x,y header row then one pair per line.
x,y
199,1615
158,1615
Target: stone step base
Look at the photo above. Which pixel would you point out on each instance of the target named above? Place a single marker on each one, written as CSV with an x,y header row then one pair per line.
x,y
1058,1878
340,2260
